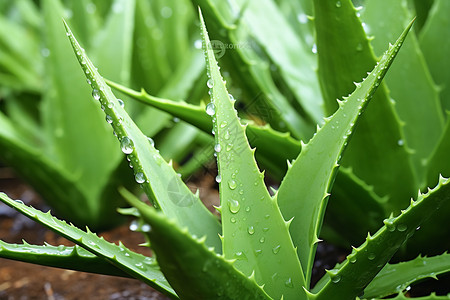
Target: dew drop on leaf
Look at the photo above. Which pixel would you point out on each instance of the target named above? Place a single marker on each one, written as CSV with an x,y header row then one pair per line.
x,y
402,227
217,148
336,278
126,145
210,109
338,4
234,206
218,178
151,141
146,228
276,249
121,103
289,283
108,119
134,225
210,83
232,184
96,94
371,256
140,178
251,230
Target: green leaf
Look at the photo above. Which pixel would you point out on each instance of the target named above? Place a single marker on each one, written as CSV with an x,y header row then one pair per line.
x,y
436,32
113,42
394,278
193,270
284,50
345,57
254,231
73,258
305,189
409,81
137,265
364,263
350,196
254,76
43,174
263,138
160,182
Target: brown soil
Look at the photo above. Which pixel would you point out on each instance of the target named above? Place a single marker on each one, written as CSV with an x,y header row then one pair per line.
x,y
27,281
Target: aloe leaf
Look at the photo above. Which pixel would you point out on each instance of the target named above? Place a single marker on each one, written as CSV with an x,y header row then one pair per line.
x,y
42,173
160,182
345,57
409,81
193,270
422,9
436,32
351,196
433,296
113,42
70,137
284,50
394,278
254,77
305,189
74,258
366,261
261,137
137,265
254,242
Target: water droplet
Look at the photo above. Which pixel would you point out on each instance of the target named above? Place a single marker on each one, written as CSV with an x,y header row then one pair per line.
x,y
276,249
402,227
232,184
108,119
121,103
336,278
218,178
217,147
251,230
352,259
261,240
258,252
229,147
19,201
134,225
146,228
338,4
233,220
302,18
151,141
88,81
371,256
210,109
314,49
359,47
227,135
127,254
96,94
240,255
140,177
400,142
126,145
247,209
289,283
234,206
223,124
210,83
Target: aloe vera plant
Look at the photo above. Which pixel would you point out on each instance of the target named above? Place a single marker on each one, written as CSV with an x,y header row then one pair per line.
x,y
44,132
264,246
